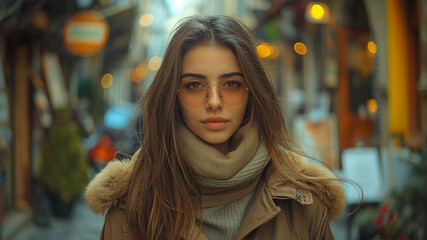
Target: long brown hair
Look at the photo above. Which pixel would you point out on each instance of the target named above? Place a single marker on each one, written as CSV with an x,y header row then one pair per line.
x,y
162,185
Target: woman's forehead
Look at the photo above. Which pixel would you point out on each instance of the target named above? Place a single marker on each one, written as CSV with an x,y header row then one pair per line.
x,y
209,60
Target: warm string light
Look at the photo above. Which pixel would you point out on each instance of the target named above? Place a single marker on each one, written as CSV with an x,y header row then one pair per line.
x,y
317,11
300,48
372,105
372,47
106,80
264,50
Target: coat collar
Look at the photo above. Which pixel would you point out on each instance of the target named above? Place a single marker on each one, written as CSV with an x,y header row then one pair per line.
x,y
110,186
280,189
264,207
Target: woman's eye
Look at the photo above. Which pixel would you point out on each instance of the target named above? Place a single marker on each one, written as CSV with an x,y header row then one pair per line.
x,y
232,84
193,85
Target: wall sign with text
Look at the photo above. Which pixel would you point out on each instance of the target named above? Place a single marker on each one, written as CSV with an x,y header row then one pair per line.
x,y
86,33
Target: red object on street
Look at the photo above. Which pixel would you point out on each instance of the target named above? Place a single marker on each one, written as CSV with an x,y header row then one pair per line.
x,y
103,151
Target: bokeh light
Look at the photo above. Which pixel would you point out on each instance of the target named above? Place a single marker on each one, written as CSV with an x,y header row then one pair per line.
x,y
139,73
317,11
372,47
372,105
300,48
155,63
146,20
264,50
107,80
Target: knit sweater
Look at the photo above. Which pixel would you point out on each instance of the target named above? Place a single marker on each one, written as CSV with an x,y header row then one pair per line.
x,y
228,182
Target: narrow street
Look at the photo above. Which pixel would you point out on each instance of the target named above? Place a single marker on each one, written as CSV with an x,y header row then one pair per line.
x,y
84,225
343,84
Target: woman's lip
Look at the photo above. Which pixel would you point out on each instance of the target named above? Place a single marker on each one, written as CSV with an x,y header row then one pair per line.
x,y
215,125
214,119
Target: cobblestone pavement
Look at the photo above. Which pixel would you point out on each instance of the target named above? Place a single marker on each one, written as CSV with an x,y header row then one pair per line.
x,y
84,225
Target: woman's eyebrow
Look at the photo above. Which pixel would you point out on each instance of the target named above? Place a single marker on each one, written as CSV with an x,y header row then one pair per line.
x,y
231,74
200,76
193,75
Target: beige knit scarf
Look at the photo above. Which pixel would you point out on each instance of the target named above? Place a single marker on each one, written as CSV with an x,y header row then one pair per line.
x,y
225,178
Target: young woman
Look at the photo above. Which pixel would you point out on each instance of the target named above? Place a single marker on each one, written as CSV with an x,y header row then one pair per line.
x,y
216,161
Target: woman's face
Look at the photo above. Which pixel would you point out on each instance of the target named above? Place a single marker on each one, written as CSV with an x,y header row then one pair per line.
x,y
216,118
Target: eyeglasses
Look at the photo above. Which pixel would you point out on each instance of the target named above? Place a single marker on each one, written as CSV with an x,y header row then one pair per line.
x,y
194,93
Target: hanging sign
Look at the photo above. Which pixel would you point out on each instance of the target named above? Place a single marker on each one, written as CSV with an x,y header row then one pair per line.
x,y
85,33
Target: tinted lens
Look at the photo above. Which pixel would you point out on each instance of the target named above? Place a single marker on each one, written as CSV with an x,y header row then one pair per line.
x,y
233,92
194,93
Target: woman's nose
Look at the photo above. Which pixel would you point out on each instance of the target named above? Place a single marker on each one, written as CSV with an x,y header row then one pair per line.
x,y
213,101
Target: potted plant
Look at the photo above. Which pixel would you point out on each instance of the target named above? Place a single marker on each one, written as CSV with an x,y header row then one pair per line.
x,y
64,168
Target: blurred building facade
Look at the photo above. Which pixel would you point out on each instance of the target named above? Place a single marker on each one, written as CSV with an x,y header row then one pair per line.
x,y
349,73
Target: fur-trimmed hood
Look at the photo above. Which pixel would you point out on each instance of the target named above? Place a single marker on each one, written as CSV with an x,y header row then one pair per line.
x,y
109,186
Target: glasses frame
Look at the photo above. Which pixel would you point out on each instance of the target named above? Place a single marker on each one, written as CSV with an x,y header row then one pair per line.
x,y
219,91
